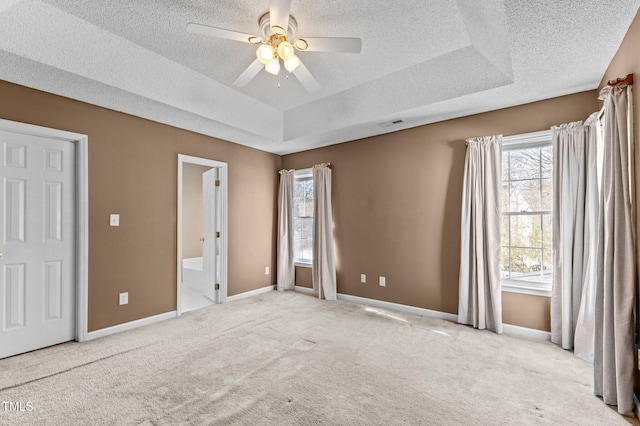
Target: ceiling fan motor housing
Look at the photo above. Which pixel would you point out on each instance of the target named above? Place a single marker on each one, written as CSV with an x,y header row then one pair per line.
x,y
265,27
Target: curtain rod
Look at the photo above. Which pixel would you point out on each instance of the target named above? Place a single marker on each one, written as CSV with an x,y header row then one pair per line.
x,y
628,80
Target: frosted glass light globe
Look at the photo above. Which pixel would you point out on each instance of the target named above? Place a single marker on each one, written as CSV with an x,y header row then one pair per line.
x,y
273,66
265,53
292,63
285,50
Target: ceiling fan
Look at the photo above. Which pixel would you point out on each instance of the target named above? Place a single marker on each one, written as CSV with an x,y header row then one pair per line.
x,y
279,42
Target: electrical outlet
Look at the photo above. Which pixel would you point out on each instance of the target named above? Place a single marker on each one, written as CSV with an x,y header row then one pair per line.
x,y
266,270
124,298
363,278
382,281
114,220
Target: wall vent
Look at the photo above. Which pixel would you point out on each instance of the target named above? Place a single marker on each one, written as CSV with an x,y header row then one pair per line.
x,y
391,123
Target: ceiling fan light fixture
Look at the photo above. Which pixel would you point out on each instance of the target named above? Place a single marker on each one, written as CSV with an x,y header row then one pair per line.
x,y
273,66
292,63
300,44
265,53
278,30
285,50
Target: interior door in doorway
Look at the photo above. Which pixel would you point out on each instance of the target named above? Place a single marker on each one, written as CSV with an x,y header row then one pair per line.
x,y
211,233
37,235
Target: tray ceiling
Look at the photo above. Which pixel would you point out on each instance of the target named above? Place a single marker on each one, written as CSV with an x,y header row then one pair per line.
x,y
421,61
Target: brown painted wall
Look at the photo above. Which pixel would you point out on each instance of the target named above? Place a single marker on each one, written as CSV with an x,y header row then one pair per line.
x,y
397,200
303,277
192,209
133,172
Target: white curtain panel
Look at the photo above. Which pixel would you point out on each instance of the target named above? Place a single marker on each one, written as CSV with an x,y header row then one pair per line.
x,y
480,298
583,344
614,343
324,265
575,219
286,270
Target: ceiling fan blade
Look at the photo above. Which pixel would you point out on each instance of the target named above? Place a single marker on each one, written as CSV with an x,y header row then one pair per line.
x,y
333,44
279,14
306,79
218,32
248,74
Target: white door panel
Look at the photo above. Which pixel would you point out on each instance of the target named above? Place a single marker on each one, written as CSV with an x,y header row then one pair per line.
x,y
209,229
37,206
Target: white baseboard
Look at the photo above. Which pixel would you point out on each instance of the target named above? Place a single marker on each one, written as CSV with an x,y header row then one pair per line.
x,y
532,333
507,328
303,289
251,293
399,307
130,325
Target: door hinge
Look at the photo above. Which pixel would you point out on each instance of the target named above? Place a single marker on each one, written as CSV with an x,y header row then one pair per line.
x,y
217,287
217,235
217,182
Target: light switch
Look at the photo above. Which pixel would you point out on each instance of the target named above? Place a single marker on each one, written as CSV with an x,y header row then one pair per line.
x,y
123,298
114,220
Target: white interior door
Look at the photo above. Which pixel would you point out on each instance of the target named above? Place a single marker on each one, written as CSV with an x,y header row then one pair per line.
x,y
210,229
37,235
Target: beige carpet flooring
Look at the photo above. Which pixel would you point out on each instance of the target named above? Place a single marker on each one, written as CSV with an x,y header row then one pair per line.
x,y
290,359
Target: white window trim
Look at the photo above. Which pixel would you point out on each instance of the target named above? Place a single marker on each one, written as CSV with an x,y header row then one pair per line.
x,y
542,289
303,173
511,143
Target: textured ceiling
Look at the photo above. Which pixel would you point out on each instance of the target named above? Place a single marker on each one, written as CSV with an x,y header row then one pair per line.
x,y
421,61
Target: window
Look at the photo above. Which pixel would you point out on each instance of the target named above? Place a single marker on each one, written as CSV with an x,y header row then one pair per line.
x,y
527,202
303,217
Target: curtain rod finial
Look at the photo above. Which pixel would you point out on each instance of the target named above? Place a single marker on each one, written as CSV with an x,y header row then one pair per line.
x,y
628,80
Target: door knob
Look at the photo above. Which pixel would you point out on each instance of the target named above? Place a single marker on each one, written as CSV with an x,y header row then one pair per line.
x,y
202,239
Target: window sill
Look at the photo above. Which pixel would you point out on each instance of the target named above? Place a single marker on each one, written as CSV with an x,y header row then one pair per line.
x,y
302,264
510,287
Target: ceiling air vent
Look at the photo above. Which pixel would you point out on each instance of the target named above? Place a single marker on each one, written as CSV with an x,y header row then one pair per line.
x,y
391,123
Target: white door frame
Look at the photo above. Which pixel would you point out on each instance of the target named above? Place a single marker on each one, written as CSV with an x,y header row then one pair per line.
x,y
223,222
82,213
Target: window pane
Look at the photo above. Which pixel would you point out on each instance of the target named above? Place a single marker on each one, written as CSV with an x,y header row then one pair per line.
x,y
547,234
297,228
303,218
307,228
505,165
547,194
525,196
504,267
547,264
297,248
308,198
525,263
525,164
308,209
505,231
546,154
505,196
526,231
306,245
298,198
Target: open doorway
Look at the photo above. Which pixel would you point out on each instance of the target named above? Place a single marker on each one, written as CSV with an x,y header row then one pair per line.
x,y
202,233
